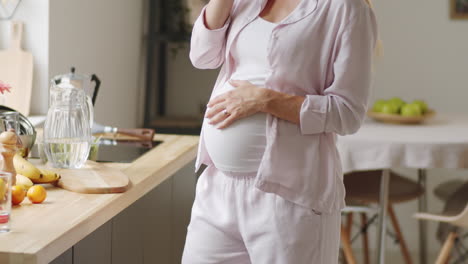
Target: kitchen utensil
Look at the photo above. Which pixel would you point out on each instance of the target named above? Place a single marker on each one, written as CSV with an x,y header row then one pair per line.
x,y
16,69
129,143
26,131
145,134
9,120
398,119
67,130
93,177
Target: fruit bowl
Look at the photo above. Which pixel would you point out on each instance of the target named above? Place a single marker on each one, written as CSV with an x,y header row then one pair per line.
x,y
399,119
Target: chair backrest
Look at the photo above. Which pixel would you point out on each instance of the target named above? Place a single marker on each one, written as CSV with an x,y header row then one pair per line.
x,y
462,218
457,206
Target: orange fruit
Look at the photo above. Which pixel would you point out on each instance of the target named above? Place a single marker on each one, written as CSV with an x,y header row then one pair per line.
x,y
37,194
17,194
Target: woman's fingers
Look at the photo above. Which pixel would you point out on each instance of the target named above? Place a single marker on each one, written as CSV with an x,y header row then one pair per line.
x,y
232,105
219,117
215,109
227,122
218,99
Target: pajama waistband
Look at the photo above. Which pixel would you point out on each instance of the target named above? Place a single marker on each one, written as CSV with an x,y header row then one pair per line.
x,y
238,175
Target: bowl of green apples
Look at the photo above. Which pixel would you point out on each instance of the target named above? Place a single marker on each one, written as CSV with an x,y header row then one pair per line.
x,y
397,111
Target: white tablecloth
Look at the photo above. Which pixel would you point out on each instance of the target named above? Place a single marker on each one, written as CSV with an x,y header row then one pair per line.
x,y
441,142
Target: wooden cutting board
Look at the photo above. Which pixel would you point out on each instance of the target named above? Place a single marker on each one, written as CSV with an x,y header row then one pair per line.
x,y
16,69
92,178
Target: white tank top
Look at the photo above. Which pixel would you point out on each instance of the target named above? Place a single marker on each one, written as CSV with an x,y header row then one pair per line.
x,y
240,147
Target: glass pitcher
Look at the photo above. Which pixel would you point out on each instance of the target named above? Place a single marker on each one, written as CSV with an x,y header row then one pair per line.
x,y
67,130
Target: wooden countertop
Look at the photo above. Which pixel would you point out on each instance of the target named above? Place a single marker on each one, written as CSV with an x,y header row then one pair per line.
x,y
41,232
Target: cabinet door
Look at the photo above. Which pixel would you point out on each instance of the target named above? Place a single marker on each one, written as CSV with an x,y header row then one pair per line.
x,y
95,248
152,230
127,232
183,188
65,258
157,224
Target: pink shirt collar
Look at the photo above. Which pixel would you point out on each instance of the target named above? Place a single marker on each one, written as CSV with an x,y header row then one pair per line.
x,y
305,8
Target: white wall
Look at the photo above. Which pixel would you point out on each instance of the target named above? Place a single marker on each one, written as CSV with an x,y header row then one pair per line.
x,y
425,54
102,37
35,15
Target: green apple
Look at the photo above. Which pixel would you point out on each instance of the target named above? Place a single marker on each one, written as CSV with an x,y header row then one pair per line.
x,y
422,104
378,105
411,110
398,102
390,108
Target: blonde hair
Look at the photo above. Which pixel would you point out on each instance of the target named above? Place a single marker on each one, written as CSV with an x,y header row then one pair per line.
x,y
379,46
369,2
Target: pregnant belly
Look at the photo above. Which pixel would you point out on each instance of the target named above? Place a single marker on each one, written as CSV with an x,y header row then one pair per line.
x,y
239,147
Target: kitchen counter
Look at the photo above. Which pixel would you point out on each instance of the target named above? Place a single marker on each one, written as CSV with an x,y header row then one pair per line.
x,y
41,232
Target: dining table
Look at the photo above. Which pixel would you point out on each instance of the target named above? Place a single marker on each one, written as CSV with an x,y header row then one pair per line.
x,y
438,142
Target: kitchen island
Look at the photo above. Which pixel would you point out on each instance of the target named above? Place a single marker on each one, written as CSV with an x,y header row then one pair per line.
x,y
42,232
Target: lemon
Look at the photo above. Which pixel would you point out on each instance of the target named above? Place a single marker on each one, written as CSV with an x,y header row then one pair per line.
x,y
17,194
37,194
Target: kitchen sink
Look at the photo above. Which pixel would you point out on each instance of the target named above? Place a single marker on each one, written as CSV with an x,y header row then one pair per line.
x,y
116,151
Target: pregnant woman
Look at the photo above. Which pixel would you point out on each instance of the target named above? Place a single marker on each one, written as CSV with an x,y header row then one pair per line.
x,y
294,74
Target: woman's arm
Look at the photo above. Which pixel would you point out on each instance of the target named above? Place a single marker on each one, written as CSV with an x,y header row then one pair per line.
x,y
208,44
217,13
283,106
340,109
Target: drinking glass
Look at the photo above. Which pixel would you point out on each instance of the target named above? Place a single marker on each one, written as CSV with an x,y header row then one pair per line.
x,y
9,120
5,201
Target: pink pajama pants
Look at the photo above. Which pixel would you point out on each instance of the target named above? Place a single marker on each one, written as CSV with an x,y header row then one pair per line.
x,y
233,222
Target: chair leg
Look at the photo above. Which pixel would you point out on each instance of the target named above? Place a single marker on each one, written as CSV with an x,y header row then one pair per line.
x,y
349,223
348,231
365,239
444,254
346,243
401,240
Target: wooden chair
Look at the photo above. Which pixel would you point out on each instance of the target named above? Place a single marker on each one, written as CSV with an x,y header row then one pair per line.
x,y
346,235
363,187
455,214
444,190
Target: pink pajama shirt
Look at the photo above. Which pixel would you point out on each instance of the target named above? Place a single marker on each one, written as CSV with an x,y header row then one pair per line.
x,y
323,51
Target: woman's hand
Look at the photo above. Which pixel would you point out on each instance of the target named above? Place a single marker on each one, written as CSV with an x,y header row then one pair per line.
x,y
246,100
